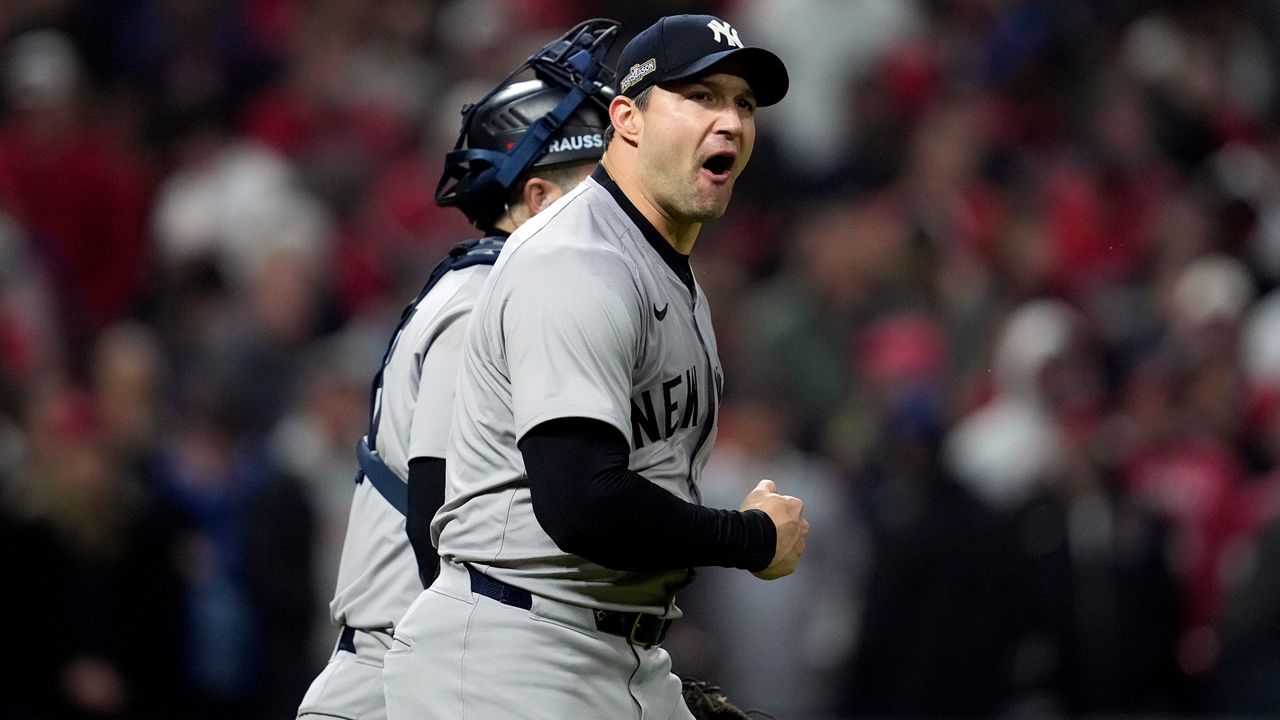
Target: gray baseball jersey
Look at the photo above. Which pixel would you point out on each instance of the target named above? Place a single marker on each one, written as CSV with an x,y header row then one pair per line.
x,y
378,573
378,576
581,317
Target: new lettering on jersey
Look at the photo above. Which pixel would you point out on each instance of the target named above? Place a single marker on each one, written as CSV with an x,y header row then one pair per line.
x,y
648,425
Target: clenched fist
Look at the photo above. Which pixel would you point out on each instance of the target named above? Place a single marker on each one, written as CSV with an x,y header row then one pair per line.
x,y
787,514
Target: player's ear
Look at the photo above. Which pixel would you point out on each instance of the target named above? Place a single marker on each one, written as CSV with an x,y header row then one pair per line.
x,y
627,119
538,194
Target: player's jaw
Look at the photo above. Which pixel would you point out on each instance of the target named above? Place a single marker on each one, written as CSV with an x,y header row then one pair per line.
x,y
708,194
715,169
693,185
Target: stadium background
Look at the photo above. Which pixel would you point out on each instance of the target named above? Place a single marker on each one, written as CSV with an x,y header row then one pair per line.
x,y
996,296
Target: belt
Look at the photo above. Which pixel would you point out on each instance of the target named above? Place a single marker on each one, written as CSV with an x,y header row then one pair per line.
x,y
347,640
368,639
638,628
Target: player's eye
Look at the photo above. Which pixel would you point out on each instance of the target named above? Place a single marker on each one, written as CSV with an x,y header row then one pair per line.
x,y
700,95
748,105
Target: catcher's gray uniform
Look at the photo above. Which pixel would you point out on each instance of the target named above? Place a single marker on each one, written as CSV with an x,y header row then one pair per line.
x,y
378,576
581,317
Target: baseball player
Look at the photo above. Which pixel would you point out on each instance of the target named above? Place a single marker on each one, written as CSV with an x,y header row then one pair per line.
x,y
521,148
586,409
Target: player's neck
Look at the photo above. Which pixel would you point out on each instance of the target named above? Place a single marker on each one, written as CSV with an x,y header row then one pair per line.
x,y
680,235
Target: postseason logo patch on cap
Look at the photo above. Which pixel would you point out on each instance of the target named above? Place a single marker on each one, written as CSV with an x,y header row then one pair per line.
x,y
637,71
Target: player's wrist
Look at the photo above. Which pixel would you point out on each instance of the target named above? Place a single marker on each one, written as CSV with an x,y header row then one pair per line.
x,y
762,540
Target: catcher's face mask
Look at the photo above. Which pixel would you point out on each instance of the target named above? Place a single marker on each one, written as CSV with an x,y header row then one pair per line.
x,y
568,101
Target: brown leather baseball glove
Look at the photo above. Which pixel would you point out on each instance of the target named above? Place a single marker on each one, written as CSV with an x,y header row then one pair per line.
x,y
707,702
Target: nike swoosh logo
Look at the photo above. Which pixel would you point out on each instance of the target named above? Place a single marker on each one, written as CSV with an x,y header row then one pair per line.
x,y
660,313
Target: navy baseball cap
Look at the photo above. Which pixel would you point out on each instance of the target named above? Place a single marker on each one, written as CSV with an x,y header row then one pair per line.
x,y
684,46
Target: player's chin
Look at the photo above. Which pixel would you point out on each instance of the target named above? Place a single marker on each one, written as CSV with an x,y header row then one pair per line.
x,y
708,206
708,212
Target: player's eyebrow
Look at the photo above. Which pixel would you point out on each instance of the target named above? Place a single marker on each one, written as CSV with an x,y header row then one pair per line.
x,y
723,85
714,82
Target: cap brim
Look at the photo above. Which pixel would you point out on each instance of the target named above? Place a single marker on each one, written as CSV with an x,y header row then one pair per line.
x,y
763,71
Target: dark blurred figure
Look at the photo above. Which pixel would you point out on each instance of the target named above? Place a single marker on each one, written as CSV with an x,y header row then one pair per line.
x,y
280,527
247,552
1246,684
94,555
941,606
942,602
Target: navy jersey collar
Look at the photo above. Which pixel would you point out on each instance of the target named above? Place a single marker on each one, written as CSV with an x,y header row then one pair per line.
x,y
678,263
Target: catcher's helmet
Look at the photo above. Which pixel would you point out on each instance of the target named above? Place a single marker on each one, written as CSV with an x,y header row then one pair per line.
x,y
557,117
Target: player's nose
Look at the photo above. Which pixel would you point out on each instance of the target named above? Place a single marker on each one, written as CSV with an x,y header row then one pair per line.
x,y
729,121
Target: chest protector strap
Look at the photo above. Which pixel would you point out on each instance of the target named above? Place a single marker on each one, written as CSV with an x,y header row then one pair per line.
x,y
388,484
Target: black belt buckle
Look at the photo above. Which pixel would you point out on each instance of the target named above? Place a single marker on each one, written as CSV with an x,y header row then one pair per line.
x,y
648,630
640,629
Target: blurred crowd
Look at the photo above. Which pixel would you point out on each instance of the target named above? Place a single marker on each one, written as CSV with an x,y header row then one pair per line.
x,y
998,295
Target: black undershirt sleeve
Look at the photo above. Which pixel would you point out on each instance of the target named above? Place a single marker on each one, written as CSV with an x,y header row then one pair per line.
x,y
426,495
593,506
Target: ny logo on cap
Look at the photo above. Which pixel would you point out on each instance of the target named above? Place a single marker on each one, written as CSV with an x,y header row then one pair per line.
x,y
722,28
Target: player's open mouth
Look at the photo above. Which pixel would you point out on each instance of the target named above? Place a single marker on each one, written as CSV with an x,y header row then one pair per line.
x,y
719,165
